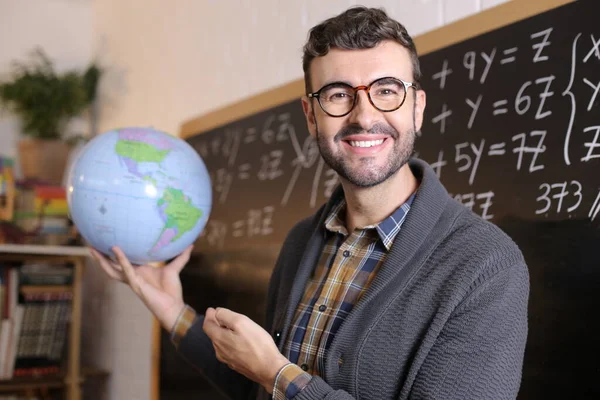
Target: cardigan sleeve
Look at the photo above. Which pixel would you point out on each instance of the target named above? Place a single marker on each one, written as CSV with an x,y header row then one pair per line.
x,y
479,352
196,348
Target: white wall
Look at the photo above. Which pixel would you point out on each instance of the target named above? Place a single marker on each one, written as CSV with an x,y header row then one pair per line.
x,y
167,62
172,63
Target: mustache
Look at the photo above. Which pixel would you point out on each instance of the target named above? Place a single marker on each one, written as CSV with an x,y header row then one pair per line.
x,y
377,129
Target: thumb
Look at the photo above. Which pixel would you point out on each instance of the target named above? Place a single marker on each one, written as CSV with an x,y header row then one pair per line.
x,y
209,315
210,326
180,261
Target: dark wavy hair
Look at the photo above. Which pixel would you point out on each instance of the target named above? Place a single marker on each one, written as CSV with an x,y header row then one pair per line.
x,y
356,28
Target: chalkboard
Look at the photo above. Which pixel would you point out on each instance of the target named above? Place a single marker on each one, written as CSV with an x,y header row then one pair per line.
x,y
513,131
267,174
512,128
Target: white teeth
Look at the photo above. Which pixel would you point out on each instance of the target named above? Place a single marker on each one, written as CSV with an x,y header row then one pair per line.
x,y
365,143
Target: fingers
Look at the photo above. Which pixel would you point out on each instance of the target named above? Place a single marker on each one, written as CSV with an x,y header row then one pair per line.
x,y
110,268
209,315
181,260
228,319
210,326
127,268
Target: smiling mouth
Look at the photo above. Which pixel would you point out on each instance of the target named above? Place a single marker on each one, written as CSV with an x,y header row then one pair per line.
x,y
365,143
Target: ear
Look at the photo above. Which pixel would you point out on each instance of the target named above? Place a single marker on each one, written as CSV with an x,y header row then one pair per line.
x,y
420,102
310,115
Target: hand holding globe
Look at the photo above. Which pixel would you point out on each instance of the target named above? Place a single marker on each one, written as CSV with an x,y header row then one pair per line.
x,y
159,288
140,196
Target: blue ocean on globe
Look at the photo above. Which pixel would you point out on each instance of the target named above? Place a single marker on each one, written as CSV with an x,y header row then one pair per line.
x,y
142,190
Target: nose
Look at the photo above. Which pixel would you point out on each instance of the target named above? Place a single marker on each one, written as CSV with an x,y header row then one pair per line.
x,y
364,113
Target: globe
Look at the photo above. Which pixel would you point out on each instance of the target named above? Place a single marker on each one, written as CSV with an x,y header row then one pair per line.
x,y
140,189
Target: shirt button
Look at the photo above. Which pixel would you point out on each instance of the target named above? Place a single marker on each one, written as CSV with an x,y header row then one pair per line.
x,y
322,307
346,253
304,367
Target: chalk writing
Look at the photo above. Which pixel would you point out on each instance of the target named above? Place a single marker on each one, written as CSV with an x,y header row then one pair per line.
x,y
511,127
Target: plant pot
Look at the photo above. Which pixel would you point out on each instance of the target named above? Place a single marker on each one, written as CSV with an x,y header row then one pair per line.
x,y
43,160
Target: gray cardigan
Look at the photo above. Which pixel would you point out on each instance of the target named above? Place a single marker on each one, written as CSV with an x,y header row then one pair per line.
x,y
445,317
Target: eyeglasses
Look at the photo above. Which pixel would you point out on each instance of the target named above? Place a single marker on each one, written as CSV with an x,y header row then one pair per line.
x,y
385,94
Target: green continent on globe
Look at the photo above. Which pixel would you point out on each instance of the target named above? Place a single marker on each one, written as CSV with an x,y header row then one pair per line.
x,y
140,152
179,211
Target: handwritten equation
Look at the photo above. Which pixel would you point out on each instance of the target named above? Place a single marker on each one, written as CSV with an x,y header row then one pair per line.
x,y
512,126
272,161
522,113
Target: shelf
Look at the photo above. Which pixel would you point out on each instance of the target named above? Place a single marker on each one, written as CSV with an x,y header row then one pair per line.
x,y
76,256
93,372
25,383
49,382
32,249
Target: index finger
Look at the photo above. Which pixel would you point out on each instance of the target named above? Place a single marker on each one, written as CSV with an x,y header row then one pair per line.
x,y
211,327
227,318
109,267
128,269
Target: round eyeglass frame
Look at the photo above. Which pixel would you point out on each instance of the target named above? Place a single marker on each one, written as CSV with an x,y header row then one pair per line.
x,y
367,89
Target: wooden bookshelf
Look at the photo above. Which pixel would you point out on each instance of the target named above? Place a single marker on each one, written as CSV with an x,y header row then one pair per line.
x,y
74,376
53,382
24,384
26,250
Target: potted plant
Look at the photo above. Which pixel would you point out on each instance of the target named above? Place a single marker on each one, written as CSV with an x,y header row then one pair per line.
x,y
46,101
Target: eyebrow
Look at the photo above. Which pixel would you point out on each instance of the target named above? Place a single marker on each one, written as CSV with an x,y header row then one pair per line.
x,y
387,79
337,84
383,79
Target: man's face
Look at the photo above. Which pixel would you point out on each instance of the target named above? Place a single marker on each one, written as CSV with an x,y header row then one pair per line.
x,y
367,146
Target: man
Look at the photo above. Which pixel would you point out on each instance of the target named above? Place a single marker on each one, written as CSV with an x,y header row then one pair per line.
x,y
392,290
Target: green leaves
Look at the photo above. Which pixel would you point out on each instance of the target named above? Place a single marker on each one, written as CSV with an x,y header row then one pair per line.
x,y
45,100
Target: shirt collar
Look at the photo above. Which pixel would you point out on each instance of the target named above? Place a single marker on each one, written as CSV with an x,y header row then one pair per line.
x,y
386,229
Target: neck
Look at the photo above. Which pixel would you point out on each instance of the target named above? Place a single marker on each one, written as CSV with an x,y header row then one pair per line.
x,y
370,206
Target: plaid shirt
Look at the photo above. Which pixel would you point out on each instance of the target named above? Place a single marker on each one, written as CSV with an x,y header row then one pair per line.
x,y
345,270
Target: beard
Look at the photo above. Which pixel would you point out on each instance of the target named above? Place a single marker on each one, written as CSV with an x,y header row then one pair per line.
x,y
369,174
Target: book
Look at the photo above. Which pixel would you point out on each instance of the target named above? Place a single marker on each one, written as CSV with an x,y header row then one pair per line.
x,y
44,331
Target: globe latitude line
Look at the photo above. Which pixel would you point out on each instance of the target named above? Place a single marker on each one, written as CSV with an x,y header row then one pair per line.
x,y
82,189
